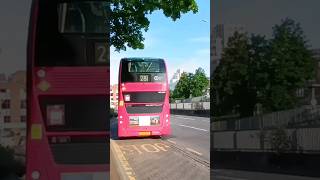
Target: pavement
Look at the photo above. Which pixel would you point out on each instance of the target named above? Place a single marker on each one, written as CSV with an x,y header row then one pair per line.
x,y
184,155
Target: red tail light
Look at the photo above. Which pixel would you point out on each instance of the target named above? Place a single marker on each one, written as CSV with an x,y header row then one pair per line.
x,y
55,115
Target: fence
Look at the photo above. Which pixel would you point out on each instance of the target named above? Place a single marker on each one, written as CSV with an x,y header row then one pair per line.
x,y
296,130
191,106
305,116
302,140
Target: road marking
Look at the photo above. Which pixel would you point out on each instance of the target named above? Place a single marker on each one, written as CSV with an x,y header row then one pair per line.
x,y
229,178
194,151
172,141
153,148
192,127
192,119
123,161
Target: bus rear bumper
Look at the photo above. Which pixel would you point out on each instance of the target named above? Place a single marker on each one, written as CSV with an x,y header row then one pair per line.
x,y
130,132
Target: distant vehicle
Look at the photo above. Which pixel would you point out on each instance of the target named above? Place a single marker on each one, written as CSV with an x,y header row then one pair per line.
x,y
143,108
67,91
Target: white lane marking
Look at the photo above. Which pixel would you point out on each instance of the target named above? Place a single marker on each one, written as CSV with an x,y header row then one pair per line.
x,y
192,127
194,151
192,119
229,178
172,141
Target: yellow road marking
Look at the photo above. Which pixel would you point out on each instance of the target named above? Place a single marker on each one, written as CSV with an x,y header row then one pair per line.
x,y
123,161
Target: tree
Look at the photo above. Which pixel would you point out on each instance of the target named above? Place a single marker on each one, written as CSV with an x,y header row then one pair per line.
x,y
231,78
199,83
259,71
291,65
183,87
129,17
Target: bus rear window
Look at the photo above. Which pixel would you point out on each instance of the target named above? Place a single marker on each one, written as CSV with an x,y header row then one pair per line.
x,y
71,33
145,67
143,71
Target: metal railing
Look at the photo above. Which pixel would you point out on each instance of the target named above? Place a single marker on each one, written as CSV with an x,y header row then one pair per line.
x,y
191,106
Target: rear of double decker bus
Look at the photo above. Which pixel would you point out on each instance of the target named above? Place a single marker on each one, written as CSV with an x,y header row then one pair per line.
x,y
143,108
67,91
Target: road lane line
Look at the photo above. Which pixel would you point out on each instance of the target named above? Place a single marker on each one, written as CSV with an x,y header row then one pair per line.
x,y
194,151
193,127
172,141
192,119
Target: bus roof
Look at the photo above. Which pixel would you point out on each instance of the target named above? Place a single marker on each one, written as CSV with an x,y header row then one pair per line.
x,y
141,58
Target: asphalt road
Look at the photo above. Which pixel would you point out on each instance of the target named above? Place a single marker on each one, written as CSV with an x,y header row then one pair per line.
x,y
227,174
184,155
192,133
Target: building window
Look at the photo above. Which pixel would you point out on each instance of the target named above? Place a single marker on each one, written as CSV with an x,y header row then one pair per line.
x,y
3,90
23,104
6,104
7,119
23,118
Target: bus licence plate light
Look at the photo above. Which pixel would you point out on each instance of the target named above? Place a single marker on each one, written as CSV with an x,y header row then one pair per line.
x,y
55,115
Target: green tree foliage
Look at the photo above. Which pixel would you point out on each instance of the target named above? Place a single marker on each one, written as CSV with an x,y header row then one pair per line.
x,y
183,87
8,164
191,84
291,65
199,83
128,18
256,70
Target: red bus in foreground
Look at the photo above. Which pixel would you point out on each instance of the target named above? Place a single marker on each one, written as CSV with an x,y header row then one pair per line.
x,y
143,108
67,91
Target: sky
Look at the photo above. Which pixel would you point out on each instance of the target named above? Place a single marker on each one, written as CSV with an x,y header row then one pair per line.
x,y
184,44
259,16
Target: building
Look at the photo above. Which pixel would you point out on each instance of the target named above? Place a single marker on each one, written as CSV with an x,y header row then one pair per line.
x,y
114,96
175,78
13,110
219,39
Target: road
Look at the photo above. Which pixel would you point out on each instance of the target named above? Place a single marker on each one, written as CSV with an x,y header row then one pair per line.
x,y
227,174
184,155
192,133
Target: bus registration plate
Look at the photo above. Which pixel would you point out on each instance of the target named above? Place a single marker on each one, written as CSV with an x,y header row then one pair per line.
x,y
145,133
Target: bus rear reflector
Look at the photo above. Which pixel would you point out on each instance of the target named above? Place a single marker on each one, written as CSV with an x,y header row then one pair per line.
x,y
55,115
43,85
121,103
36,131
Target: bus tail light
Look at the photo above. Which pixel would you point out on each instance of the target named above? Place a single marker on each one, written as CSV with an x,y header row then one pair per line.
x,y
133,120
55,115
41,73
35,175
155,120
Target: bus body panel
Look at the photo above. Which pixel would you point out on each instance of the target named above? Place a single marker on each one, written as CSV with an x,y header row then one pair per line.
x,y
124,129
42,155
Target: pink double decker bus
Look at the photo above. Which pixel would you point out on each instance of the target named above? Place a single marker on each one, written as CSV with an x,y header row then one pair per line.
x,y
67,87
143,108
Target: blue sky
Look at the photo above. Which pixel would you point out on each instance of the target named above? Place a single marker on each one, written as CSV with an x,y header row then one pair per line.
x,y
184,43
